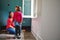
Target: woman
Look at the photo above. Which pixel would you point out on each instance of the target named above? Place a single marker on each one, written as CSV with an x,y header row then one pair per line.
x,y
10,24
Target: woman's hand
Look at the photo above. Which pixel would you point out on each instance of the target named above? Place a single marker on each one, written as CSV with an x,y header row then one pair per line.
x,y
11,26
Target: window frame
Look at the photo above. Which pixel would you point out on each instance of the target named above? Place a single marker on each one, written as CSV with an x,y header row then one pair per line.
x,y
33,12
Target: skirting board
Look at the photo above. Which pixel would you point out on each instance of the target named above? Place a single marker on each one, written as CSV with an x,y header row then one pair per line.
x,y
36,36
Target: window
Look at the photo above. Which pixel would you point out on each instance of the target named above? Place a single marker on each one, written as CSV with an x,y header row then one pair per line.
x,y
29,8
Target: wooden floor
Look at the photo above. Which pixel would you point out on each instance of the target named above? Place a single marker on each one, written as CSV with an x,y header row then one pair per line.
x,y
28,36
24,36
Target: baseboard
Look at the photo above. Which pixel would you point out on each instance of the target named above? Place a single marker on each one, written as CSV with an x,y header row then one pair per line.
x,y
36,36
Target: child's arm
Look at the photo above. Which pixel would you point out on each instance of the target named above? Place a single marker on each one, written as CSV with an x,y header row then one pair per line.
x,y
21,18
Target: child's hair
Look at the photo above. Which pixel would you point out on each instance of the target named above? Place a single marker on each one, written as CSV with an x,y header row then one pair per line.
x,y
18,8
9,14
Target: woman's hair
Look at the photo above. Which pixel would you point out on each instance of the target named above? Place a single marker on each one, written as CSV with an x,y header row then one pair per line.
x,y
18,8
9,14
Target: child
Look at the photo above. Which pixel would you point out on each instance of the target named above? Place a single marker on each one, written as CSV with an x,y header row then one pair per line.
x,y
10,25
18,20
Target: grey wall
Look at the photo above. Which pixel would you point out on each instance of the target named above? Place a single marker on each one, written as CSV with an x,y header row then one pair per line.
x,y
47,24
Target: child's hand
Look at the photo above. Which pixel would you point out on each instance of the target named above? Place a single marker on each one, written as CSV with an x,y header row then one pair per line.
x,y
11,26
20,22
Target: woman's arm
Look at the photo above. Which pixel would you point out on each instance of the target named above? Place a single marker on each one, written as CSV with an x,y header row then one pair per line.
x,y
10,24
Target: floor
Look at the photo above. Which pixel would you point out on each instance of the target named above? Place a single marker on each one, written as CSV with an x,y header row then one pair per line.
x,y
6,36
28,36
24,36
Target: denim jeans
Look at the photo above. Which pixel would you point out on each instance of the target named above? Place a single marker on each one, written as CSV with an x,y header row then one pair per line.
x,y
11,31
18,27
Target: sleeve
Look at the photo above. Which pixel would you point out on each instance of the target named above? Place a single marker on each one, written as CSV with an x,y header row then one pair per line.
x,y
13,24
8,23
21,16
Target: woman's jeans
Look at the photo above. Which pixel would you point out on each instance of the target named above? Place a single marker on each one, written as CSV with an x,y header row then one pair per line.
x,y
11,30
18,28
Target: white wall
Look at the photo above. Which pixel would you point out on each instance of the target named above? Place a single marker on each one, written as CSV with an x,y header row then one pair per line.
x,y
36,21
47,25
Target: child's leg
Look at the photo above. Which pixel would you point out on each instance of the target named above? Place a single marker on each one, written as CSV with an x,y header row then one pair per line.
x,y
16,28
20,29
16,31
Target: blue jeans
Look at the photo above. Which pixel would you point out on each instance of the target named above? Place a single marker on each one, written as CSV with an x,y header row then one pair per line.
x,y
11,30
18,27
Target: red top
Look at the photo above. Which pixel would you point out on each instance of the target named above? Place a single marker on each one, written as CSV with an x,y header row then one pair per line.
x,y
18,16
9,23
